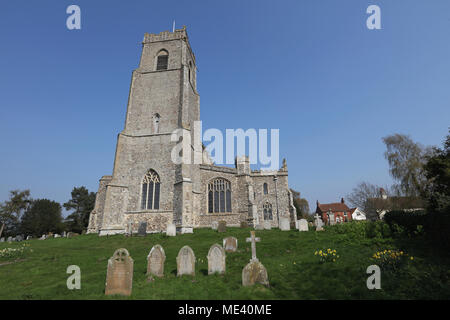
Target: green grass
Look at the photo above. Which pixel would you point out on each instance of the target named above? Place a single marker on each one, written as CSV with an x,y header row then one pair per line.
x,y
293,269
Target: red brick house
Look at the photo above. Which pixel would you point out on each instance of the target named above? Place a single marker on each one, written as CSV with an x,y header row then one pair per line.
x,y
341,212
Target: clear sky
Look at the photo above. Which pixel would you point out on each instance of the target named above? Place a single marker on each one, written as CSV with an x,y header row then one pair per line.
x,y
309,68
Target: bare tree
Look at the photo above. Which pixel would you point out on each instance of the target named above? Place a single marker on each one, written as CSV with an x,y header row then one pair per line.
x,y
362,192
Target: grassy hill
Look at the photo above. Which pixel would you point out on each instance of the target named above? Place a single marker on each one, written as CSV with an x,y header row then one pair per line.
x,y
294,271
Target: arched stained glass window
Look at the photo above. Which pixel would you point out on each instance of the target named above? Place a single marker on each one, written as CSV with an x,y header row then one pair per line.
x,y
267,209
219,196
150,191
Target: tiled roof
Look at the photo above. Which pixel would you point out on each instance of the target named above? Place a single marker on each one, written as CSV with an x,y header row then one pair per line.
x,y
334,207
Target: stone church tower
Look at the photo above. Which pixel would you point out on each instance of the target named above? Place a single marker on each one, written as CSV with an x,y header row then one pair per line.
x,y
147,186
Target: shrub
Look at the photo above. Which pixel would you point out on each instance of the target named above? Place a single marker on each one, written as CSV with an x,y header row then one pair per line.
x,y
356,229
437,228
405,222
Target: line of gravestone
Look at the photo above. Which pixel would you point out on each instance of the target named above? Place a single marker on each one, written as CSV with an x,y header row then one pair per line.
x,y
119,275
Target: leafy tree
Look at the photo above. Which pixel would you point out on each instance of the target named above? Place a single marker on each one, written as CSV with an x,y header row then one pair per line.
x,y
437,171
406,159
82,203
300,204
42,216
12,210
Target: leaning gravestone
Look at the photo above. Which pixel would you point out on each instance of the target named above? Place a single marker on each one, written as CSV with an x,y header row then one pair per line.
x,y
285,224
214,225
216,259
142,231
222,226
43,237
254,271
230,244
186,262
303,225
171,230
29,237
2,239
267,225
155,261
10,239
119,276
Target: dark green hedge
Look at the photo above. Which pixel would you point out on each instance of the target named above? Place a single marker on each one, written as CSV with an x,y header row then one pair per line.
x,y
436,226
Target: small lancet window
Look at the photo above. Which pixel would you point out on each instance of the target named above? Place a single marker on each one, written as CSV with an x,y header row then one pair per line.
x,y
162,60
266,188
156,120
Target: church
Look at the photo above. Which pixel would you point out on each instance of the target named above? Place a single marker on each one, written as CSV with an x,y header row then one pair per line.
x,y
147,188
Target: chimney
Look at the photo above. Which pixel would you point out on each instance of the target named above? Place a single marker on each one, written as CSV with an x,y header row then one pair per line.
x,y
342,200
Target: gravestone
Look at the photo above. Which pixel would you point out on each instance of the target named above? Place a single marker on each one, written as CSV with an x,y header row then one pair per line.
x,y
19,238
230,244
303,225
64,234
57,236
244,224
186,262
155,261
285,224
187,230
171,230
259,227
43,237
2,239
267,225
254,271
222,226
214,225
10,239
72,234
119,275
142,231
216,259
29,237
318,222
331,220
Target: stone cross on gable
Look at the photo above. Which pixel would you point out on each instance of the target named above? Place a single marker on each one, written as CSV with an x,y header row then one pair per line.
x,y
253,240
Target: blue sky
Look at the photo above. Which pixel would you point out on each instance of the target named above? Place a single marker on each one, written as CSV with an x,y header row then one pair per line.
x,y
309,68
